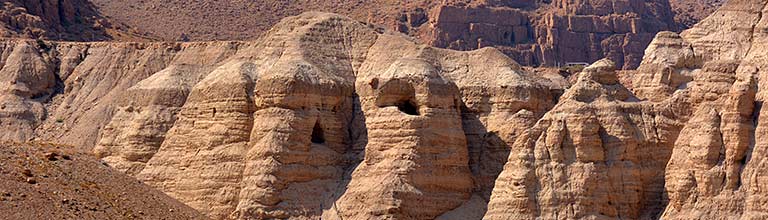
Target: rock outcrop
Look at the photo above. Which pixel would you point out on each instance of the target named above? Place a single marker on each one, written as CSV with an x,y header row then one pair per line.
x,y
313,110
534,33
329,118
700,147
58,20
598,150
552,33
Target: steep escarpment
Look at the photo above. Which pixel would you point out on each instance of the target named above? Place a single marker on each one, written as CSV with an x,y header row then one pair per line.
x,y
716,166
329,118
598,150
552,33
534,33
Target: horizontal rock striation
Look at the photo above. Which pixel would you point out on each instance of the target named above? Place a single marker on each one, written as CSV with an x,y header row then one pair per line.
x,y
550,33
329,118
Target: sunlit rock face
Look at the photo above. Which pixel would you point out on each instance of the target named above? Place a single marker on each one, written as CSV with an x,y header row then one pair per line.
x,y
329,118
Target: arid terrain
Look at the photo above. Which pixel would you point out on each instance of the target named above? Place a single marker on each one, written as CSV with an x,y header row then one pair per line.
x,y
533,33
424,111
49,181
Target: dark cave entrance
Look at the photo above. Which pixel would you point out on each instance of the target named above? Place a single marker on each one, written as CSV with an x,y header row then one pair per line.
x,y
408,107
318,136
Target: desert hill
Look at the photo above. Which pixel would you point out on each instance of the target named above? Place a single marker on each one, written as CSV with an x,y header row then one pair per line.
x,y
49,181
326,117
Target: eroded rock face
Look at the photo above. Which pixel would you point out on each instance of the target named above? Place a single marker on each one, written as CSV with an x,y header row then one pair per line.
x,y
315,110
551,33
717,160
597,150
49,19
329,118
28,80
534,33
703,91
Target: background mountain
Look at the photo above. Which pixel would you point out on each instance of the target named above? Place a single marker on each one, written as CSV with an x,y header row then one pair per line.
x,y
534,33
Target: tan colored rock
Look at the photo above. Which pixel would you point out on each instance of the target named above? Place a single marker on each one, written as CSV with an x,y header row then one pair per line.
x,y
597,150
669,64
27,80
329,118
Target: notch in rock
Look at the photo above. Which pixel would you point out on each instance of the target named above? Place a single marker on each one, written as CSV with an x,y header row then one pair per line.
x,y
408,107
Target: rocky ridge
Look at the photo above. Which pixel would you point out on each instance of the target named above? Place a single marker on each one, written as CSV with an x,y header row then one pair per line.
x,y
534,33
372,125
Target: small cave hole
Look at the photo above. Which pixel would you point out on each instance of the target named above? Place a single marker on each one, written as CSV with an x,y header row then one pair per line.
x,y
214,112
318,137
408,107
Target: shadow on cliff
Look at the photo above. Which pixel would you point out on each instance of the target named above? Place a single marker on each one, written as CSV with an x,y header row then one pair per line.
x,y
488,152
358,136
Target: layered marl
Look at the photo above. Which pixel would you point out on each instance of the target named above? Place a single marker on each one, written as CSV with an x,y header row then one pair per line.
x,y
328,118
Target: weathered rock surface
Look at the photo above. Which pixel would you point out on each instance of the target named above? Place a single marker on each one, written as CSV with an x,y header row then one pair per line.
x,y
58,20
700,147
598,151
552,33
314,110
329,118
548,33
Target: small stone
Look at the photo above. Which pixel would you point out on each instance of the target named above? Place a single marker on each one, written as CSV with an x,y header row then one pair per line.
x,y
51,156
27,172
31,180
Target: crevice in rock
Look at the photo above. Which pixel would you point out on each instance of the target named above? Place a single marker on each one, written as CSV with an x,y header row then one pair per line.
x,y
752,141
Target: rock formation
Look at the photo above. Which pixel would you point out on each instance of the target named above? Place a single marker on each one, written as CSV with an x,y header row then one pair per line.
x,y
325,117
315,109
699,147
59,20
552,33
534,33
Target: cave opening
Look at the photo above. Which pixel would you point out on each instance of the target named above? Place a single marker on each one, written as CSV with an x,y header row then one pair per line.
x,y
408,107
318,136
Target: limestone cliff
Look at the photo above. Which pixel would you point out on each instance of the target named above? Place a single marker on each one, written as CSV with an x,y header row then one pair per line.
x,y
698,134
329,118
366,124
551,33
